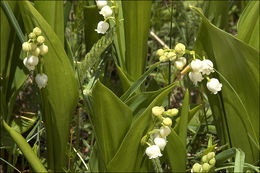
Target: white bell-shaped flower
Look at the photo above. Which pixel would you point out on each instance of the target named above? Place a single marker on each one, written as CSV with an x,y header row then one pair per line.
x,y
43,49
179,65
29,67
41,80
32,60
26,46
196,65
183,60
102,27
160,142
158,110
153,152
207,67
165,131
106,11
36,52
101,3
195,77
214,85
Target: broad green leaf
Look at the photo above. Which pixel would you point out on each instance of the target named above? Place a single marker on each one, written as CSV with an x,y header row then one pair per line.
x,y
25,148
239,161
176,152
125,81
52,12
225,155
60,96
238,67
130,153
111,120
23,124
136,25
92,18
248,25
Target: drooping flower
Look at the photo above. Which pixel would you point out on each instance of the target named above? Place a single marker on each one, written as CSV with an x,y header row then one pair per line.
x,y
195,77
153,152
180,63
43,49
160,142
29,67
207,67
36,52
196,65
32,60
214,85
41,80
101,3
165,131
102,27
106,11
158,110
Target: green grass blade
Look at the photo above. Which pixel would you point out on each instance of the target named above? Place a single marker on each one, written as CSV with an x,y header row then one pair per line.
x,y
25,148
239,161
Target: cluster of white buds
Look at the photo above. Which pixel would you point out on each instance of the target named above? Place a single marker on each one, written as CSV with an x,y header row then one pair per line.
x,y
174,55
35,49
208,161
107,12
200,70
158,135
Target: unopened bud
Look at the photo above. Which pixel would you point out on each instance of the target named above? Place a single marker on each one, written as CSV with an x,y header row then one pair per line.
x,y
167,121
32,35
37,31
211,155
180,49
44,49
171,56
40,39
204,159
160,52
172,112
205,167
196,167
26,46
158,110
163,58
36,52
212,162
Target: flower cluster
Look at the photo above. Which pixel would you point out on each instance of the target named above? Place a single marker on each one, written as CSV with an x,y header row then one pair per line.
x,y
157,136
107,12
174,55
207,162
203,68
35,49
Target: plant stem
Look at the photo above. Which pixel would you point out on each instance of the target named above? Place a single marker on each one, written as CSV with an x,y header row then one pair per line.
x,y
157,165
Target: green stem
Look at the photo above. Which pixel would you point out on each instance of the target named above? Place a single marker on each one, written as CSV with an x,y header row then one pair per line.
x,y
119,43
157,165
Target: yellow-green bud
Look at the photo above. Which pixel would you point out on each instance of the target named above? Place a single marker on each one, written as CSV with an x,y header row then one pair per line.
x,y
172,112
211,155
37,31
157,110
204,159
160,52
40,39
163,58
44,49
26,46
180,49
36,52
167,121
32,35
212,162
171,56
196,167
205,167
33,46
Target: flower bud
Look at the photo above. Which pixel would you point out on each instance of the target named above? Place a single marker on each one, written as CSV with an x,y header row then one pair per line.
x,y
204,159
32,35
205,167
33,46
102,27
157,110
211,155
183,60
106,11
180,49
163,58
196,168
172,112
36,52
160,52
165,131
37,31
212,161
167,121
214,85
101,3
40,39
26,46
43,49
32,60
160,142
179,65
171,56
41,80
153,152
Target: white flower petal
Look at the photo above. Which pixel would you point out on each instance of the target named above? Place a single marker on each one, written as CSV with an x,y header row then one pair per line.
x,y
214,85
102,27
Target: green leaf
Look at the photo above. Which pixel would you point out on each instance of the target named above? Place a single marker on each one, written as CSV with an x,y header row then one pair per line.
x,y
52,12
60,96
225,155
23,124
25,148
136,25
111,120
238,68
248,25
239,161
130,153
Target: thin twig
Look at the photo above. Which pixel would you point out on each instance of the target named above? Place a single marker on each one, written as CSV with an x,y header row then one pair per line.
x,y
81,158
159,40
